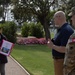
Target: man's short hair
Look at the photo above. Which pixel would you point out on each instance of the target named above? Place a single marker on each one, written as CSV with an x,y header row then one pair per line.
x,y
72,11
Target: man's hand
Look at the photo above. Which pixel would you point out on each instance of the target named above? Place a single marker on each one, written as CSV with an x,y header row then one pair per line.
x,y
50,43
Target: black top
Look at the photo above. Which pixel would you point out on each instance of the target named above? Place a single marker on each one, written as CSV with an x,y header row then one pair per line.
x,y
3,58
61,38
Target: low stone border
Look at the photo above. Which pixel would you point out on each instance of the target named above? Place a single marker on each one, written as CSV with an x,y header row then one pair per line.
x,y
19,65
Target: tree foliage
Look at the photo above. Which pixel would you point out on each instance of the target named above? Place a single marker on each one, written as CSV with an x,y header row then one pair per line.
x,y
3,8
21,14
38,8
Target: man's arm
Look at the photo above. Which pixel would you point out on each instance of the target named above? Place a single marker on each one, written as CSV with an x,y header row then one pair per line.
x,y
60,49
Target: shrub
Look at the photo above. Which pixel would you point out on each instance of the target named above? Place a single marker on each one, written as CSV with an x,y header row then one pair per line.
x,y
32,29
9,30
36,30
25,30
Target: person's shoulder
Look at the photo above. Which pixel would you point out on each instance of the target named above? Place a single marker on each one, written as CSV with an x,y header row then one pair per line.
x,y
68,28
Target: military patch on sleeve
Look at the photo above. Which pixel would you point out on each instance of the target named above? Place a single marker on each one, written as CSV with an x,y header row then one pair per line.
x,y
71,40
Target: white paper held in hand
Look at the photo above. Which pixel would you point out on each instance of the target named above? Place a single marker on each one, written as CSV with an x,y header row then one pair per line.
x,y
6,47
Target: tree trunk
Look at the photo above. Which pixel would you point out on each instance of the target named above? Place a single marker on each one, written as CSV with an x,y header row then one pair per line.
x,y
4,13
47,31
45,24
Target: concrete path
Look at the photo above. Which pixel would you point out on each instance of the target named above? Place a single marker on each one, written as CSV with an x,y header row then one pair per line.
x,y
14,68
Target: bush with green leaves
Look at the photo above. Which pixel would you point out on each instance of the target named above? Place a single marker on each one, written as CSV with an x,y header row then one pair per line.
x,y
36,30
25,29
9,30
32,29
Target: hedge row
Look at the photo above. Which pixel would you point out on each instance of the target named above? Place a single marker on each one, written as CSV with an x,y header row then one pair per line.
x,y
32,29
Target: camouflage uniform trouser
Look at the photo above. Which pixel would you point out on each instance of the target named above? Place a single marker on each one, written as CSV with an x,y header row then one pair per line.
x,y
69,61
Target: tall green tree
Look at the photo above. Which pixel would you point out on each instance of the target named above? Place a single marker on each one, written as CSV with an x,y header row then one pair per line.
x,y
39,8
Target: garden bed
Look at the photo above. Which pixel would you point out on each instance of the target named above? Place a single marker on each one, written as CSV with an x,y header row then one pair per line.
x,y
30,40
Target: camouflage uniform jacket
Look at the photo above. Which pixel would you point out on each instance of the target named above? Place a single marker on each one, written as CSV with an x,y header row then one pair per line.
x,y
69,61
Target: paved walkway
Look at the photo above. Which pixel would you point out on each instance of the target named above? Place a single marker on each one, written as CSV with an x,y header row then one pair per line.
x,y
14,68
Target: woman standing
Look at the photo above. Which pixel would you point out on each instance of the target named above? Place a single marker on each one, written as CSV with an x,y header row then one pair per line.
x,y
3,58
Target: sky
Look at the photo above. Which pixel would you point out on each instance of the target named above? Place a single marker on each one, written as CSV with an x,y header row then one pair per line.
x,y
9,16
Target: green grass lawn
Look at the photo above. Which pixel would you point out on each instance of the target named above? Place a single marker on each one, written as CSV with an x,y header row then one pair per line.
x,y
37,59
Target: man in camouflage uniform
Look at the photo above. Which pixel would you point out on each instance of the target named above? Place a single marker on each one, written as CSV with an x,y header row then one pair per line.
x,y
69,61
